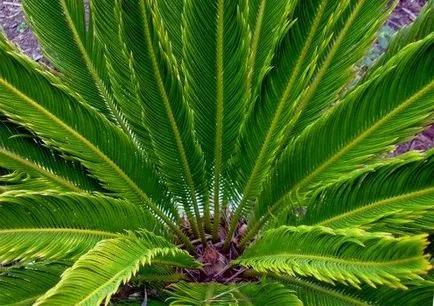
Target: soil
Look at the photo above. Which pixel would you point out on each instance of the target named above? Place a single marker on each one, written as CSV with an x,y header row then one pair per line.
x,y
16,28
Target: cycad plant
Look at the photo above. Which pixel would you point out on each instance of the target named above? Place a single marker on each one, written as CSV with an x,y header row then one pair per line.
x,y
215,152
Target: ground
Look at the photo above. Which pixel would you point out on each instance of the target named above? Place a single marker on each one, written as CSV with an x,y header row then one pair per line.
x,y
16,28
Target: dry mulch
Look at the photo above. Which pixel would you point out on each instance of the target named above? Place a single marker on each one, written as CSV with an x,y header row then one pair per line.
x,y
16,28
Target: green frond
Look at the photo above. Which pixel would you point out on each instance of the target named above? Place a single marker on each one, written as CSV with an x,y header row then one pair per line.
x,y
28,97
344,35
66,225
397,197
367,122
22,286
110,31
21,151
166,114
349,256
171,15
313,292
215,65
60,26
18,181
312,65
96,276
420,292
269,21
156,277
242,294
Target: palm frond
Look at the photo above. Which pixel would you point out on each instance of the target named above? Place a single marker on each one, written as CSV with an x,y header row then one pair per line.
x,y
367,122
157,276
349,256
313,292
397,198
98,274
233,294
18,181
22,286
420,292
350,29
314,62
215,49
28,97
66,225
21,151
269,22
171,15
72,49
109,30
166,115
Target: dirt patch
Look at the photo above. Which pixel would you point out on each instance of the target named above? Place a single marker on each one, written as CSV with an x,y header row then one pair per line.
x,y
17,29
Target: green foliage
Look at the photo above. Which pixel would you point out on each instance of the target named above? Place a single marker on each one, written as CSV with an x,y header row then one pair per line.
x,y
349,256
65,225
23,152
236,130
313,292
241,294
21,286
98,274
401,202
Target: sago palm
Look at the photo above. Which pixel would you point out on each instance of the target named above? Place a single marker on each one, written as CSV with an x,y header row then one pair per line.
x,y
215,152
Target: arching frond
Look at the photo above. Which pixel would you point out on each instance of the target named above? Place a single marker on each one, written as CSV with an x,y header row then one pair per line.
x,y
313,292
349,256
171,14
72,50
57,226
420,292
166,115
215,48
239,294
313,64
269,22
367,122
18,181
22,286
28,97
98,274
20,151
110,31
396,198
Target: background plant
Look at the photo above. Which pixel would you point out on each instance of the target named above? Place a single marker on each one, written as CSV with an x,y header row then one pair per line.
x,y
213,152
